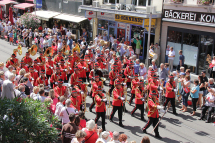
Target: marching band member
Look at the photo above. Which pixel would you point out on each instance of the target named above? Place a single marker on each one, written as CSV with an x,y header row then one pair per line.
x,y
49,67
75,103
64,69
82,66
74,77
69,64
33,75
129,72
112,77
95,71
60,90
135,82
41,61
42,79
101,64
100,101
13,61
139,99
22,66
153,85
118,98
153,114
170,93
75,58
58,58
27,60
89,67
36,67
56,76
120,79
95,84
150,75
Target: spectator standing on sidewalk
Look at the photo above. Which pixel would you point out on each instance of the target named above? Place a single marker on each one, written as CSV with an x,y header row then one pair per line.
x,y
171,57
181,60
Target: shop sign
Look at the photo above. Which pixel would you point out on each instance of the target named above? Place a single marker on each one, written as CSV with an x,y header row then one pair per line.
x,y
106,16
128,31
121,25
190,16
146,23
129,19
90,14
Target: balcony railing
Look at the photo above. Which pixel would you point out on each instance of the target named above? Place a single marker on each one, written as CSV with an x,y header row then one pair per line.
x,y
190,2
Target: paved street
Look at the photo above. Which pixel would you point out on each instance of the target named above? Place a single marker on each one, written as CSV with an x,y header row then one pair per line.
x,y
174,129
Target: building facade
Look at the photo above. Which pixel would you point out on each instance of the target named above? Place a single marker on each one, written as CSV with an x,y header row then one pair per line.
x,y
189,25
126,19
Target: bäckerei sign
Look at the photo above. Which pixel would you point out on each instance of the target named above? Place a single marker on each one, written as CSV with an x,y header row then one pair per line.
x,y
191,16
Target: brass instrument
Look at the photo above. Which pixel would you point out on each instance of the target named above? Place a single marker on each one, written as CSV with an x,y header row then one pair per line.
x,y
103,79
18,49
49,52
66,50
33,50
15,65
76,48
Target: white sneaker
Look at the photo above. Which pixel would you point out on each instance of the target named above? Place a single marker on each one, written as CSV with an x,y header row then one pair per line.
x,y
199,108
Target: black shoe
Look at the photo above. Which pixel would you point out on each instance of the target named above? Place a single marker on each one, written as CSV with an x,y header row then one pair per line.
x,y
111,120
207,121
200,118
158,136
144,131
176,114
90,110
126,110
121,125
132,115
143,119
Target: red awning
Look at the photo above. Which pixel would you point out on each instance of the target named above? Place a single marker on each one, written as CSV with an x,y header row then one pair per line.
x,y
4,2
23,6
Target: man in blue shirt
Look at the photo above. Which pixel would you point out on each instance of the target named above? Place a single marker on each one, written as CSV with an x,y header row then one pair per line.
x,y
69,42
137,66
50,41
181,60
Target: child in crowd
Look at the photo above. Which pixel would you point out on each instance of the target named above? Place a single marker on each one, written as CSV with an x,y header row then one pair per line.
x,y
14,37
11,37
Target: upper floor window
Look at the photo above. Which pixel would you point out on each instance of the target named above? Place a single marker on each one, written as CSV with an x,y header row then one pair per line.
x,y
112,1
141,2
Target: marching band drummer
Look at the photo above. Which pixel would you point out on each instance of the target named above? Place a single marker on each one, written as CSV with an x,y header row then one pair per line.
x,y
135,82
100,101
42,79
153,113
74,77
13,61
95,84
27,59
49,67
33,75
139,99
118,99
112,76
60,90
56,76
58,57
41,61
82,66
170,93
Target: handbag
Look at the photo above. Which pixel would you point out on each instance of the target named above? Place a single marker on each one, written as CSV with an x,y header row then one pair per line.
x,y
186,90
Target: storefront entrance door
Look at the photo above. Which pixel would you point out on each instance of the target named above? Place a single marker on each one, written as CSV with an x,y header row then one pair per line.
x,y
120,32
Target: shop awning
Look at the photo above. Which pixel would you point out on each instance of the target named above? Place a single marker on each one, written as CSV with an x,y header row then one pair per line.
x,y
23,6
3,3
45,15
70,18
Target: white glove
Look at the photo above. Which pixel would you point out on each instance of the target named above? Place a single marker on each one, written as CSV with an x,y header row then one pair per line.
x,y
122,98
49,86
38,63
124,83
104,100
58,63
70,68
82,92
129,76
27,65
76,112
65,69
32,79
84,68
104,63
83,106
143,99
35,70
56,83
162,111
51,67
160,107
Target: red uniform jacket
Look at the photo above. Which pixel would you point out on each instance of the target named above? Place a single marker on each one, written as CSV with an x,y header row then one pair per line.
x,y
91,75
112,76
50,64
11,62
71,66
57,59
76,59
116,94
139,94
101,65
100,106
82,72
55,77
27,60
36,67
75,102
95,87
74,79
122,80
82,88
153,86
41,80
169,92
134,85
59,91
128,72
33,77
42,62
153,111
62,68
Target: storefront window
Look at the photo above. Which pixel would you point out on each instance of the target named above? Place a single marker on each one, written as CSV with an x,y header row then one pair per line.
x,y
141,2
174,40
112,1
190,50
206,52
112,23
103,24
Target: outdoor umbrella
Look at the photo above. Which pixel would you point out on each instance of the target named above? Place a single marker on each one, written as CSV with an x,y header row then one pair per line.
x,y
11,15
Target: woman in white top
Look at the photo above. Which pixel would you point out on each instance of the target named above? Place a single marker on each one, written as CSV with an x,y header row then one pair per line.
x,y
19,77
35,92
186,92
66,111
143,70
80,135
59,107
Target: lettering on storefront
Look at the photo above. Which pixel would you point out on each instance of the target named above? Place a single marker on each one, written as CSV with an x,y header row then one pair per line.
x,y
129,19
190,16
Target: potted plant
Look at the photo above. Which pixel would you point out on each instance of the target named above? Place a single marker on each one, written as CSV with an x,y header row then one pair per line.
x,y
206,2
